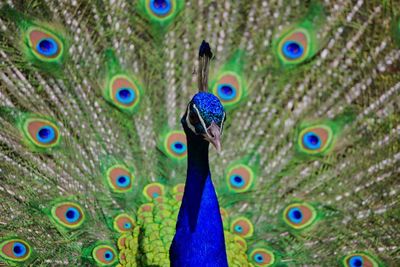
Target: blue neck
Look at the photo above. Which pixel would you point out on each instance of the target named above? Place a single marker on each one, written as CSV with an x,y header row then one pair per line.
x,y
199,238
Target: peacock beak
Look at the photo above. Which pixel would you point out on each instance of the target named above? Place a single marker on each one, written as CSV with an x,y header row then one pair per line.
x,y
213,136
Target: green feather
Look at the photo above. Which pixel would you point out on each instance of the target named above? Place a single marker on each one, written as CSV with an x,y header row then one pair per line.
x,y
396,30
7,251
164,18
304,34
319,138
45,45
366,258
120,88
101,254
229,83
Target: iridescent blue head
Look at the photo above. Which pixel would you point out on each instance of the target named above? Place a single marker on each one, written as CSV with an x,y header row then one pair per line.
x,y
205,116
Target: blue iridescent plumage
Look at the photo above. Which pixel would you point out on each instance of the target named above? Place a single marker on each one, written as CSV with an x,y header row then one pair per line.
x,y
72,215
126,95
295,215
210,108
47,47
19,249
160,7
311,141
46,134
123,181
199,238
356,261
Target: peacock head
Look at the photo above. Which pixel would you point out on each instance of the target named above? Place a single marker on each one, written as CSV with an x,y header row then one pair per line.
x,y
205,117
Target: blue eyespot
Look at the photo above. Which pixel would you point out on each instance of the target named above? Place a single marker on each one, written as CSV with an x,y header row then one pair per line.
x,y
226,92
312,141
238,228
123,181
292,50
108,255
47,47
155,195
356,261
295,215
237,181
127,225
178,147
19,249
258,258
160,7
72,215
126,95
46,134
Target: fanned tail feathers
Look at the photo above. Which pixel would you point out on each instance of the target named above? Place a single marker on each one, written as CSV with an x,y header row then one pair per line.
x,y
93,158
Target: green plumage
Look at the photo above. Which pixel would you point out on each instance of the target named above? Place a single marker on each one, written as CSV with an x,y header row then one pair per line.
x,y
396,30
163,20
93,156
117,80
306,33
30,32
231,75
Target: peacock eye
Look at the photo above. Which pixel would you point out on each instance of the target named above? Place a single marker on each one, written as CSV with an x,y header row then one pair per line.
x,y
239,178
262,257
299,215
44,45
222,123
193,118
360,259
295,47
242,227
120,179
42,133
123,223
16,250
104,255
68,214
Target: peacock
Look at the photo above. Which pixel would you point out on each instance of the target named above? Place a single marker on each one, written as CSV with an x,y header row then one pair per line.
x,y
109,112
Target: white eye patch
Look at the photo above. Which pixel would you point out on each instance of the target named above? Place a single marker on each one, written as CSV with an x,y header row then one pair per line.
x,y
201,119
222,123
191,127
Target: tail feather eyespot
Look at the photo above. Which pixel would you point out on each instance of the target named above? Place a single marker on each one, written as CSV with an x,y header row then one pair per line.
x,y
16,250
299,215
262,257
229,89
44,45
359,259
120,179
68,214
104,255
242,227
123,223
315,140
240,178
41,133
